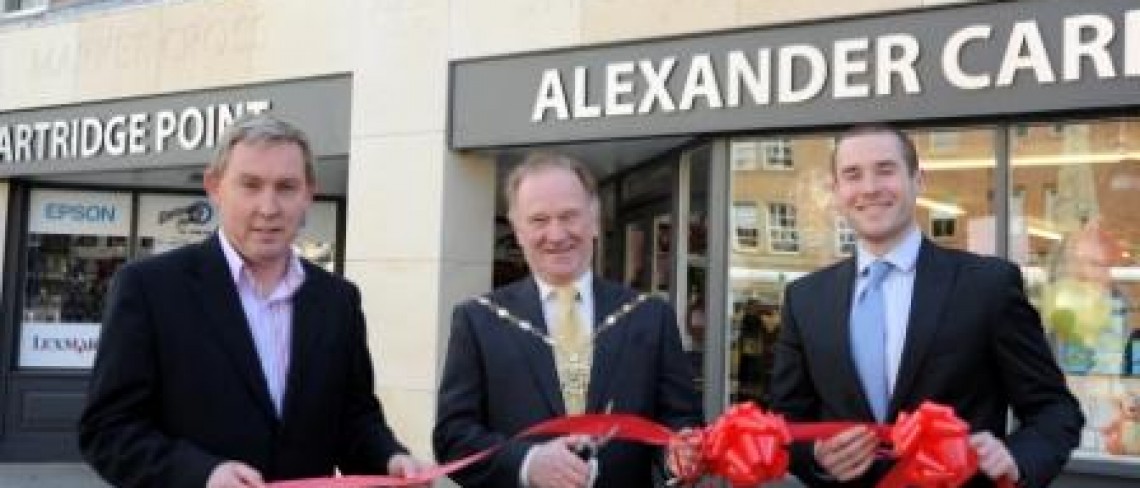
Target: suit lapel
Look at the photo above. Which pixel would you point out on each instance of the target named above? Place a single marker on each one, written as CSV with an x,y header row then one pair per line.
x,y
307,319
523,299
225,317
934,278
607,349
844,362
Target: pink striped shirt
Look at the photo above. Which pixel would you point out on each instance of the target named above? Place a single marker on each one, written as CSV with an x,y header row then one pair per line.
x,y
270,318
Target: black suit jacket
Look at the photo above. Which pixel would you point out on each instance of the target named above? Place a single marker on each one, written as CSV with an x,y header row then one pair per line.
x,y
498,380
177,387
973,342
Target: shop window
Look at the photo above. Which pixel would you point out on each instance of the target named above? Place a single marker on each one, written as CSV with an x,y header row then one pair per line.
x,y
783,237
746,223
942,226
1083,267
21,6
844,238
1049,197
76,241
1020,131
777,154
744,155
1017,201
944,141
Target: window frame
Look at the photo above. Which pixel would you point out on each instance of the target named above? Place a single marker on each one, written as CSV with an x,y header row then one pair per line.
x,y
782,227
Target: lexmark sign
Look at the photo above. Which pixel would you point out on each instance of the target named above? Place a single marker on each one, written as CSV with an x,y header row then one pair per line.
x,y
1015,57
166,130
188,129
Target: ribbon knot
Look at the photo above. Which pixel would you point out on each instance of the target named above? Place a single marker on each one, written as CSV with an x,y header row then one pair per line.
x,y
933,448
746,446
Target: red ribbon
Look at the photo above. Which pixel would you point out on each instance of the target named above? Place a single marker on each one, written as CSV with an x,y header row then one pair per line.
x,y
366,481
746,446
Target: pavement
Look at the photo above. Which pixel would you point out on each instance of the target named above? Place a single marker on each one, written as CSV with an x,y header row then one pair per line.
x,y
49,475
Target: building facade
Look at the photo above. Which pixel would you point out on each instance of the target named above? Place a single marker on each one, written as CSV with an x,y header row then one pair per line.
x,y
710,123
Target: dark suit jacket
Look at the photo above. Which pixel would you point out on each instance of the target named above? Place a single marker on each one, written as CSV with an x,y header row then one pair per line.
x,y
177,387
973,342
498,380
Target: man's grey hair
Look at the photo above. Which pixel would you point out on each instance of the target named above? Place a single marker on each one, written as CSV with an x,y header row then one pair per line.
x,y
540,161
262,128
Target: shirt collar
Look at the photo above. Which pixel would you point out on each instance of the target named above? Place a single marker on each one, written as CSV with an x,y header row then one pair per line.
x,y
903,256
294,275
546,290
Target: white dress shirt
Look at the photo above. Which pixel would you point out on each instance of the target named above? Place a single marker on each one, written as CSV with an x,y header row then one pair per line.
x,y
270,317
898,288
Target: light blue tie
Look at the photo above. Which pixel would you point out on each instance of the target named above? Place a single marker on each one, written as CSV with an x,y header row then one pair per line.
x,y
869,338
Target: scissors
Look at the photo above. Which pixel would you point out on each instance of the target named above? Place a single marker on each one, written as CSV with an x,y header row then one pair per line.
x,y
591,448
589,451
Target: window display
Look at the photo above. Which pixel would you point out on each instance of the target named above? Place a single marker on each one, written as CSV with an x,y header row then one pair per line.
x,y
1077,238
169,221
802,231
76,241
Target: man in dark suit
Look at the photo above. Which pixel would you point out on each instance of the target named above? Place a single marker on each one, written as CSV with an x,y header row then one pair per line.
x,y
953,328
233,362
509,366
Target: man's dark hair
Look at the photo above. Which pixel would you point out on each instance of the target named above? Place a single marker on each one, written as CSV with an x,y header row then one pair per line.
x,y
906,144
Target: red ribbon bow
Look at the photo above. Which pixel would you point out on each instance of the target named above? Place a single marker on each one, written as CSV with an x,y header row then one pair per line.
x,y
746,446
933,447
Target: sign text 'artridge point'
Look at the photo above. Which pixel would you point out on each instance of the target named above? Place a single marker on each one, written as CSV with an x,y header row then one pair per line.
x,y
121,134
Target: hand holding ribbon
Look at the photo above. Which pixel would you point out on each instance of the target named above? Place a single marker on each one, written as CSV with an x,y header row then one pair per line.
x,y
933,448
747,447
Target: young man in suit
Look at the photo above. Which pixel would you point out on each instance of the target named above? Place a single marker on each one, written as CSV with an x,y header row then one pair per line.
x,y
559,342
906,321
233,362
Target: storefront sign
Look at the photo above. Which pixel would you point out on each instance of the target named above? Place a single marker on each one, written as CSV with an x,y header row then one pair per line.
x,y
80,212
971,61
55,345
167,130
170,221
119,134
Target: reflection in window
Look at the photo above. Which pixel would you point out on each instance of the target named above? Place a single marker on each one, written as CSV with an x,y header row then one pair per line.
x,y
744,156
76,242
21,5
782,234
777,154
1081,241
803,232
844,237
955,207
746,218
943,141
942,225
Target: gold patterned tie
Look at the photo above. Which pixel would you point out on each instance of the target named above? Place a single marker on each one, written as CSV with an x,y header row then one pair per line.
x,y
572,350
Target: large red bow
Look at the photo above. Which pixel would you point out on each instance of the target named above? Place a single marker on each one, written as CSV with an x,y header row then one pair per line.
x,y
933,447
746,446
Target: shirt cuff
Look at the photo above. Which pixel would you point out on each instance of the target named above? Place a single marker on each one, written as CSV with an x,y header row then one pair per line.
x,y
525,467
